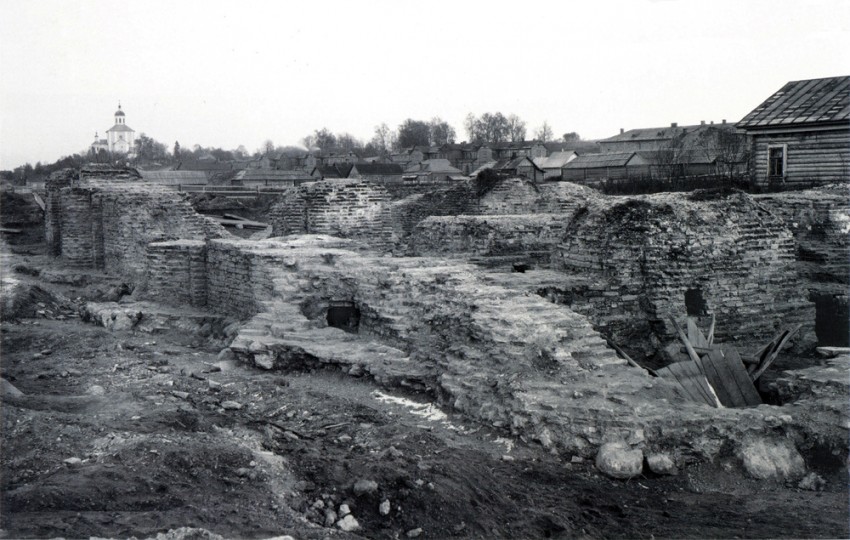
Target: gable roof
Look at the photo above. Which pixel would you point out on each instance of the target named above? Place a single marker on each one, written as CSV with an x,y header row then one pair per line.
x,y
379,168
652,134
813,101
598,161
327,171
556,160
440,166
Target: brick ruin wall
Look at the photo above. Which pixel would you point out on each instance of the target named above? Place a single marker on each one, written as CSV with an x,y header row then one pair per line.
x,y
108,225
177,272
820,221
355,210
639,257
496,353
399,188
491,240
516,221
506,358
511,196
459,199
53,208
519,196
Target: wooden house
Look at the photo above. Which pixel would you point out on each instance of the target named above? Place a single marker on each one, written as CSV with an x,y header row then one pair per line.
x,y
801,134
433,170
554,164
521,167
615,165
367,171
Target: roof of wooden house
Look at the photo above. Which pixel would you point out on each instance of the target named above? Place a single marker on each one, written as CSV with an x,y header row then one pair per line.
x,y
654,133
807,102
441,166
555,160
598,161
379,168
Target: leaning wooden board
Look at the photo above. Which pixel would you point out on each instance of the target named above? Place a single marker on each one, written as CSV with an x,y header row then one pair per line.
x,y
725,371
691,380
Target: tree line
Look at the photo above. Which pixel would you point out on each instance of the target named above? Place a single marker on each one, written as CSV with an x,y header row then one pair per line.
x,y
489,128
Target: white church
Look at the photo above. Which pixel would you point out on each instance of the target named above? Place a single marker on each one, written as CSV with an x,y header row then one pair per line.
x,y
120,138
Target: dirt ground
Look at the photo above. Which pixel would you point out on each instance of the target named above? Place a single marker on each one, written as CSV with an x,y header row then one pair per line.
x,y
122,434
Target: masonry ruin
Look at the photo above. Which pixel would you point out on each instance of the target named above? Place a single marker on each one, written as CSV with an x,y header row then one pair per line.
x,y
499,300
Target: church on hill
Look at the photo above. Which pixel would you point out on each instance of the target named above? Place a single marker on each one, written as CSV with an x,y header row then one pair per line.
x,y
120,138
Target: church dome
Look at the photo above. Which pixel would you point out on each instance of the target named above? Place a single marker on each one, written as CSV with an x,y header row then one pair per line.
x,y
119,112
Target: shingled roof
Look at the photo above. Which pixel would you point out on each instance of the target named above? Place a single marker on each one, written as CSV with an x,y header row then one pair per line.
x,y
809,102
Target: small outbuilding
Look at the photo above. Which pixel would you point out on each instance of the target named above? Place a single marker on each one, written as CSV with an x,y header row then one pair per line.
x,y
614,165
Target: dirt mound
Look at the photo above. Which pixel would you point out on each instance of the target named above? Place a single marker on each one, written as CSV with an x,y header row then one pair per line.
x,y
18,209
26,300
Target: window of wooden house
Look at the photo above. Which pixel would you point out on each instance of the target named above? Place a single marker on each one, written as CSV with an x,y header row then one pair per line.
x,y
776,161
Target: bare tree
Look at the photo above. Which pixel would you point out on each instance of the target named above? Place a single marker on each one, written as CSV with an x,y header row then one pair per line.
x,y
441,132
544,133
490,128
516,128
347,141
384,139
671,157
267,148
470,127
728,149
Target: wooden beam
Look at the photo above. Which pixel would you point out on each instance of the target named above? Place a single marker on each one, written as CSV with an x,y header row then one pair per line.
x,y
711,331
690,348
766,364
628,358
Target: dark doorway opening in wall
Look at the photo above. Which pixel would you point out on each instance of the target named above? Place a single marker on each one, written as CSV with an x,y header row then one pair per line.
x,y
695,304
344,315
832,320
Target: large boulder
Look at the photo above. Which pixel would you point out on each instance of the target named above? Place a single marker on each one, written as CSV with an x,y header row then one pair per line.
x,y
618,460
772,460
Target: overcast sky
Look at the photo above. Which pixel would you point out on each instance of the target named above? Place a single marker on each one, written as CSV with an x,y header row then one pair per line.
x,y
228,73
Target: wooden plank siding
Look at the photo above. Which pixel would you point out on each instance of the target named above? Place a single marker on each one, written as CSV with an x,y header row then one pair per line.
x,y
811,157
